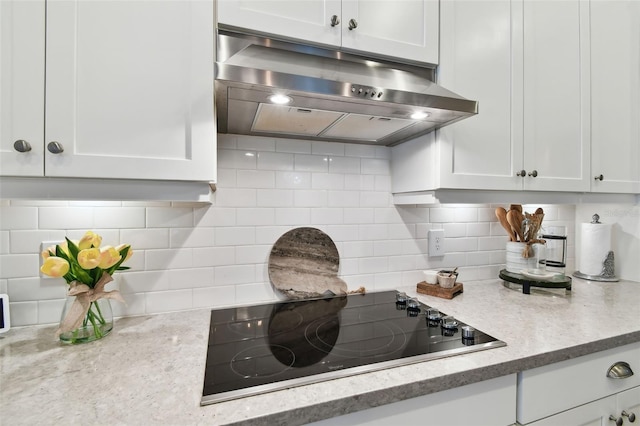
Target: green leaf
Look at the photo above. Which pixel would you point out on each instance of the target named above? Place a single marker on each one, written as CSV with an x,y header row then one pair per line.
x,y
73,249
116,266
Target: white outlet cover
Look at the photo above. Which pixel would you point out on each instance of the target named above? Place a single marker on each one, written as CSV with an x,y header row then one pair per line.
x,y
436,242
43,246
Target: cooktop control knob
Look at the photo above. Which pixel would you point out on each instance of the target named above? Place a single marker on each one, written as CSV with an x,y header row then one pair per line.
x,y
449,322
401,298
468,332
413,303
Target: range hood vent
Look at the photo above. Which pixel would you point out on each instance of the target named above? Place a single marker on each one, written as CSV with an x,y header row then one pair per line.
x,y
334,96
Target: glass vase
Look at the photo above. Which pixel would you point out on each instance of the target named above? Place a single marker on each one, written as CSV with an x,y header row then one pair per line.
x,y
96,324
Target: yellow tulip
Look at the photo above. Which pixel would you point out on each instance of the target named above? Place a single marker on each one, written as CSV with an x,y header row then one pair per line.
x,y
109,256
129,253
88,240
89,258
54,266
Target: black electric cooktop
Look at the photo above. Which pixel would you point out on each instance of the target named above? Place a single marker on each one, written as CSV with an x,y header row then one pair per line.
x,y
262,348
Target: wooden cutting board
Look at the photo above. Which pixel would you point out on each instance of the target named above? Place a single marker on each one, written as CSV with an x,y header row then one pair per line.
x,y
436,290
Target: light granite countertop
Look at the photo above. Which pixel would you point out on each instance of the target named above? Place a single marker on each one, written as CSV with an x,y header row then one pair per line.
x,y
150,369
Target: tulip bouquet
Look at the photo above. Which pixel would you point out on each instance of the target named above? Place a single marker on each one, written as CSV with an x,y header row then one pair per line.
x,y
87,268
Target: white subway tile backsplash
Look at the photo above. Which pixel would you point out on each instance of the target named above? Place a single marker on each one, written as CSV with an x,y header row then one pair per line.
x,y
190,255
120,217
293,216
311,163
50,311
13,218
236,197
256,143
326,216
255,217
23,313
64,218
256,179
142,239
190,278
163,217
310,198
293,146
20,265
327,148
375,166
360,151
213,256
275,198
344,165
23,289
164,259
235,235
327,181
275,161
293,180
167,301
4,242
192,237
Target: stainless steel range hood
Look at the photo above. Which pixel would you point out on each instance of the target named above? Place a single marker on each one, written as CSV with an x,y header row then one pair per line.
x,y
334,96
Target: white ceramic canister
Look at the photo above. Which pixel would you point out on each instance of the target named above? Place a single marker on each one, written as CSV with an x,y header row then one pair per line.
x,y
515,262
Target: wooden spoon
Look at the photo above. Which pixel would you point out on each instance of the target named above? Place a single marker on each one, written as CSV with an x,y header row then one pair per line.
x,y
501,214
515,219
517,207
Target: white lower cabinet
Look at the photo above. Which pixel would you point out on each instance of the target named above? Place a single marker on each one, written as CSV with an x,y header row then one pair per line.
x,y
490,402
579,391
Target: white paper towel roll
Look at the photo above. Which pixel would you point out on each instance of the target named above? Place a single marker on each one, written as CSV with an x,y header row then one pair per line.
x,y
594,247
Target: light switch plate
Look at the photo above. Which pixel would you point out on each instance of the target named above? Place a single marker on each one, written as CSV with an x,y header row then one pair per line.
x,y
436,242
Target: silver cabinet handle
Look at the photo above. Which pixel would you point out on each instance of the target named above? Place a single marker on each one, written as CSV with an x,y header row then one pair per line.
x,y
353,24
630,416
22,146
55,147
335,20
618,420
522,173
620,370
534,173
599,177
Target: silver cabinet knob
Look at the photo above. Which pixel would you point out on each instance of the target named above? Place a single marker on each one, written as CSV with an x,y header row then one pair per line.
x,y
22,146
353,24
522,173
534,173
335,20
55,147
630,416
599,177
618,420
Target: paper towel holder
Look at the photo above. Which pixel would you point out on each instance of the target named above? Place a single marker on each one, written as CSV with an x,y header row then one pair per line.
x,y
608,264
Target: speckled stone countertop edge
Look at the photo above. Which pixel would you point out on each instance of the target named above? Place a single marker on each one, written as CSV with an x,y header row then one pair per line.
x,y
419,388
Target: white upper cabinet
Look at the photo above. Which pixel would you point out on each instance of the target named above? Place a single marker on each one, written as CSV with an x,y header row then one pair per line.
x,y
527,64
22,26
407,30
128,90
615,96
556,95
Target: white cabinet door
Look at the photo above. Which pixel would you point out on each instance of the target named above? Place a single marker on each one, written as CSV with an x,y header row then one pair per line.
x,y
129,89
615,96
306,20
556,95
477,60
22,26
407,29
628,404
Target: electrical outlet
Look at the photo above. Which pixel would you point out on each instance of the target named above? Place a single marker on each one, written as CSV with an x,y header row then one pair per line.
x,y
436,242
43,246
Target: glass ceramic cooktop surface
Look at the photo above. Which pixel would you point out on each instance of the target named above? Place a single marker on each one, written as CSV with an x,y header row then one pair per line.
x,y
262,348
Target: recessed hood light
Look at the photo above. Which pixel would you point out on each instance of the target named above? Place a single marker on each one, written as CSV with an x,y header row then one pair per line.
x,y
419,115
280,99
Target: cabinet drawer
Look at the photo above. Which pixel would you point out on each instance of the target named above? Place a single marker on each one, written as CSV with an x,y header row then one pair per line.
x,y
550,389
